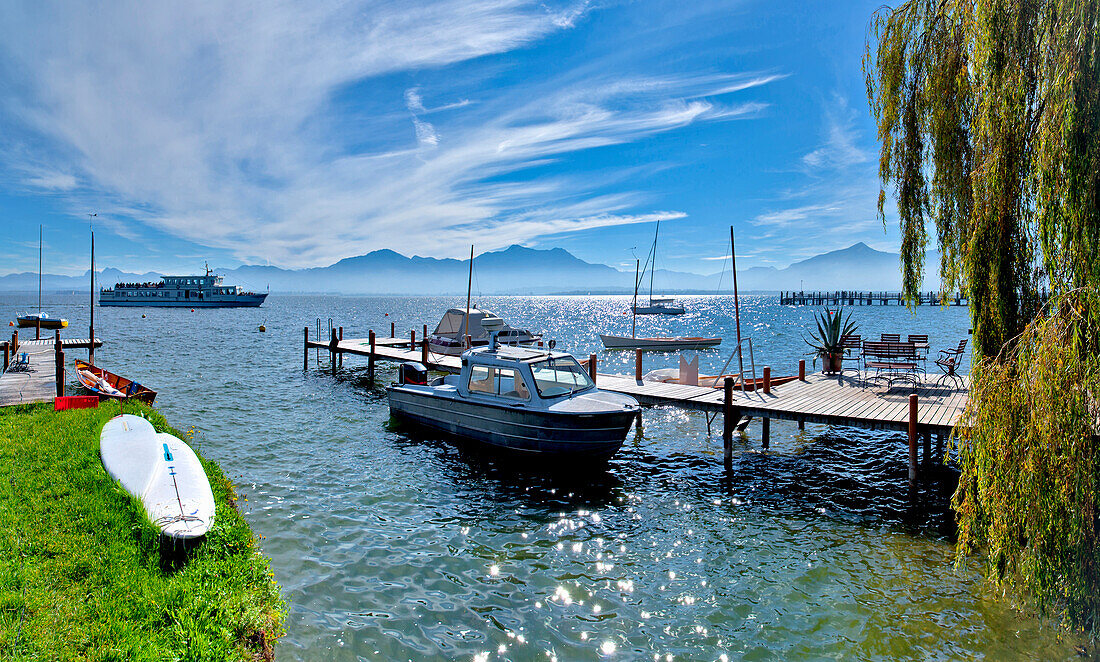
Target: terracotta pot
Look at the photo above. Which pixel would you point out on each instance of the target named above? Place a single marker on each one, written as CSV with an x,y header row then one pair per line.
x,y
832,363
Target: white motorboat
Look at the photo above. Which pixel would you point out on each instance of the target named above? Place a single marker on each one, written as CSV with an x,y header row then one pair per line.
x,y
524,401
449,335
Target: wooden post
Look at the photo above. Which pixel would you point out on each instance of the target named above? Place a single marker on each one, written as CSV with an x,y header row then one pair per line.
x,y
305,350
341,353
14,342
727,420
412,340
392,327
370,358
767,382
638,364
801,424
332,351
425,334
766,432
59,363
638,424
592,367
912,437
7,356
424,352
802,369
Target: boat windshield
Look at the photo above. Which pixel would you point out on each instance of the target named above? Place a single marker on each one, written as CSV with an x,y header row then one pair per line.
x,y
561,375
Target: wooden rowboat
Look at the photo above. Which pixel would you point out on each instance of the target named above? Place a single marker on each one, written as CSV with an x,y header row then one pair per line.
x,y
676,342
98,381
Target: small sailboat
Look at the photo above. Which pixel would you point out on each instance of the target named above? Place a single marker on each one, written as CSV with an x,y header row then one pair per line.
x,y
653,343
40,320
98,381
657,305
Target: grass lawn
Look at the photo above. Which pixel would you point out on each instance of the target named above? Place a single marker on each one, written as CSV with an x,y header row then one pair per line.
x,y
85,575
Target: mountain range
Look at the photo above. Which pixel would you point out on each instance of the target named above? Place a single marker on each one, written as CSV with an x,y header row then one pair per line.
x,y
519,270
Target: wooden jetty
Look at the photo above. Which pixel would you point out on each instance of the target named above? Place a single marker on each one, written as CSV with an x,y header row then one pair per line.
x,y
847,298
921,408
44,376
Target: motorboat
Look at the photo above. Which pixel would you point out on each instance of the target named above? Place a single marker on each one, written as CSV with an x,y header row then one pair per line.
x,y
525,401
660,306
450,334
658,343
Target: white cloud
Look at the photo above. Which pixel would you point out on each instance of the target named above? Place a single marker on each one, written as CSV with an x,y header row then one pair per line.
x,y
210,121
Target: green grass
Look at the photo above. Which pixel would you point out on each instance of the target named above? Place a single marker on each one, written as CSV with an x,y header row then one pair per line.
x,y
85,575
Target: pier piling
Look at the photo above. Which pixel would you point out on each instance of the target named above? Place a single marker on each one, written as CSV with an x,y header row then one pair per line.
x,y
341,357
424,351
59,363
412,339
638,365
802,370
767,381
727,421
765,432
392,330
332,344
592,367
913,438
370,358
305,350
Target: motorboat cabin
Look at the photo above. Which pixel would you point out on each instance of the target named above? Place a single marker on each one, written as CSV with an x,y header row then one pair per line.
x,y
523,400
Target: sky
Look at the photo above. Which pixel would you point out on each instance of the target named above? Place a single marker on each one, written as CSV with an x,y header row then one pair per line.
x,y
296,134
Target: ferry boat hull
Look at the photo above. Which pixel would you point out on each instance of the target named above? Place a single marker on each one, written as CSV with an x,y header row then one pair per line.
x,y
240,301
519,431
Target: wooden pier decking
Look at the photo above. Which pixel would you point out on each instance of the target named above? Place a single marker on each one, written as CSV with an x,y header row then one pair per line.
x,y
40,382
921,408
847,298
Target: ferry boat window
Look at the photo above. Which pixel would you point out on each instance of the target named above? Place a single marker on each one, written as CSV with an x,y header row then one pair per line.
x,y
559,376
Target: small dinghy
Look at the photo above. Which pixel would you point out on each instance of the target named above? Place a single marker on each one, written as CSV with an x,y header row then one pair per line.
x,y
98,381
161,471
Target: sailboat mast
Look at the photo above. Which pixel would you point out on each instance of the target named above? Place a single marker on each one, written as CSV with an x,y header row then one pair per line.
x,y
653,264
736,308
91,306
634,308
469,291
40,271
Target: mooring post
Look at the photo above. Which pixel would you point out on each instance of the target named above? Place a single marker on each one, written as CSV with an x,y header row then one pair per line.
x,y
341,353
767,382
370,357
59,363
332,351
765,432
392,330
912,437
424,351
638,364
801,424
7,357
802,370
305,350
592,367
727,421
638,424
14,342
412,339
425,334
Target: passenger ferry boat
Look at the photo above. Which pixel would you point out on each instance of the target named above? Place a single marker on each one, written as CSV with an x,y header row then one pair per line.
x,y
182,292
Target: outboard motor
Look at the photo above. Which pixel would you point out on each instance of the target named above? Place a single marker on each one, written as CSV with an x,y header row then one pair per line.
x,y
412,372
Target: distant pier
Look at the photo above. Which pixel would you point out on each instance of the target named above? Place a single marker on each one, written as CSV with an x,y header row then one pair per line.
x,y
850,298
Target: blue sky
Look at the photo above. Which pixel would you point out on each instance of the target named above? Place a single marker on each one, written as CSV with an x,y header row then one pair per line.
x,y
297,134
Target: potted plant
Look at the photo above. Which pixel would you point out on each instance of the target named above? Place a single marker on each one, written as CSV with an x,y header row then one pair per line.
x,y
832,326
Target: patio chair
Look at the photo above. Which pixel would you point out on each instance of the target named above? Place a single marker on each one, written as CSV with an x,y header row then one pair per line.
x,y
852,344
920,341
948,363
890,337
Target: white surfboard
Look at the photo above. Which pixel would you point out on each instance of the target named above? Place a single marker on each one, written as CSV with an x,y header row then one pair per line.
x,y
162,471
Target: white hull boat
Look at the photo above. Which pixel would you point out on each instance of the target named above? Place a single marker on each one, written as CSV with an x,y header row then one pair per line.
x,y
675,342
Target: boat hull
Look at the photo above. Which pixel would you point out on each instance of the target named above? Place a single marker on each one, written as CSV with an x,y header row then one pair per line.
x,y
659,310
47,323
243,301
130,389
622,342
526,432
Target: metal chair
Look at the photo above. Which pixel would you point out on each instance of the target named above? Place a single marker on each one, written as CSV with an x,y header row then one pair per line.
x,y
890,337
948,363
852,344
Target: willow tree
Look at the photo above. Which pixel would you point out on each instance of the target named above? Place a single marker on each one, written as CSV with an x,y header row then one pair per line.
x,y
988,115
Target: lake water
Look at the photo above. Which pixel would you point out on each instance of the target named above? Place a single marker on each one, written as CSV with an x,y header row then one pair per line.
x,y
393,544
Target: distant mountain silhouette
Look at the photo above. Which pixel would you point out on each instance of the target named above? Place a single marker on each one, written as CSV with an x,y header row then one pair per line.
x,y
519,270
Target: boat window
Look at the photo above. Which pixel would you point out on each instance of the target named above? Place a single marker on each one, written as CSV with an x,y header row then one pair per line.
x,y
559,376
497,381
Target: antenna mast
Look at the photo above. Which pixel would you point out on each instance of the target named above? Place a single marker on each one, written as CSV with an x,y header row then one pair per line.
x,y
469,291
737,308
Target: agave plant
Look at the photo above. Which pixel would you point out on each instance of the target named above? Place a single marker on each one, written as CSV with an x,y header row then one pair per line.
x,y
832,326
